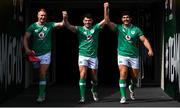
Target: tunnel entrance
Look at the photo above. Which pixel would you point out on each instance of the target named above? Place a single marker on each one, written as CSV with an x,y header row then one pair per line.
x,y
148,15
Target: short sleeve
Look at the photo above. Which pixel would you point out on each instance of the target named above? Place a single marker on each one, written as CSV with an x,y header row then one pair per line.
x,y
30,29
77,29
140,33
115,28
52,24
97,26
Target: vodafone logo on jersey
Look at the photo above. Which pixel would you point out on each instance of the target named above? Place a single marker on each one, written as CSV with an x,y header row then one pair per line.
x,y
89,38
41,35
128,37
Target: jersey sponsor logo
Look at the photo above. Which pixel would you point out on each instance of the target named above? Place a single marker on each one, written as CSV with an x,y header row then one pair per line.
x,y
128,37
89,38
41,35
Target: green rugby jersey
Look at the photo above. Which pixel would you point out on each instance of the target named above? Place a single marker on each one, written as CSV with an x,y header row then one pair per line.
x,y
128,40
88,40
41,37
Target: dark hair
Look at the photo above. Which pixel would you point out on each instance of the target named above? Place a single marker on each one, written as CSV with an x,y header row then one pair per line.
x,y
88,15
126,13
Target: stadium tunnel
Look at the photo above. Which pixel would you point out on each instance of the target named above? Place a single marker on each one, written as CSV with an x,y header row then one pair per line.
x,y
149,15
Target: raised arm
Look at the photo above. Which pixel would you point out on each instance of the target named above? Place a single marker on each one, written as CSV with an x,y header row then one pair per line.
x,y
105,20
146,43
66,22
110,24
59,24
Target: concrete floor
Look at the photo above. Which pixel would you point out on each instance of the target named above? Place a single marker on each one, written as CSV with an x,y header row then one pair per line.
x,y
68,96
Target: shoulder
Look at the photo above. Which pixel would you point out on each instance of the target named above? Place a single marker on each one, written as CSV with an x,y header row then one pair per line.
x,y
79,28
31,27
118,25
138,30
135,27
50,23
97,26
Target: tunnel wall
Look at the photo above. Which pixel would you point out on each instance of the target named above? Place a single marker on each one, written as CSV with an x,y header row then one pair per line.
x,y
11,57
172,49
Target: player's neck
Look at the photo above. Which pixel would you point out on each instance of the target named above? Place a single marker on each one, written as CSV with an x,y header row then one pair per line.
x,y
41,23
87,28
127,25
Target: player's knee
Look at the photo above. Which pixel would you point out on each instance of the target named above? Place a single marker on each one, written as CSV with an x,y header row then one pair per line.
x,y
83,75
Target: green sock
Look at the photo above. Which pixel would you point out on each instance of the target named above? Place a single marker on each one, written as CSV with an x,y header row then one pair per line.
x,y
94,86
122,90
82,85
42,86
133,83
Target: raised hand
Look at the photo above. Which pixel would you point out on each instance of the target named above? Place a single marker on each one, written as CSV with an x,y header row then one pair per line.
x,y
65,15
106,5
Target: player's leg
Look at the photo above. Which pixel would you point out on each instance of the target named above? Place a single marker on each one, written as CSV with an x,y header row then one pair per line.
x,y
134,76
42,82
94,83
123,71
44,66
83,75
94,80
93,65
